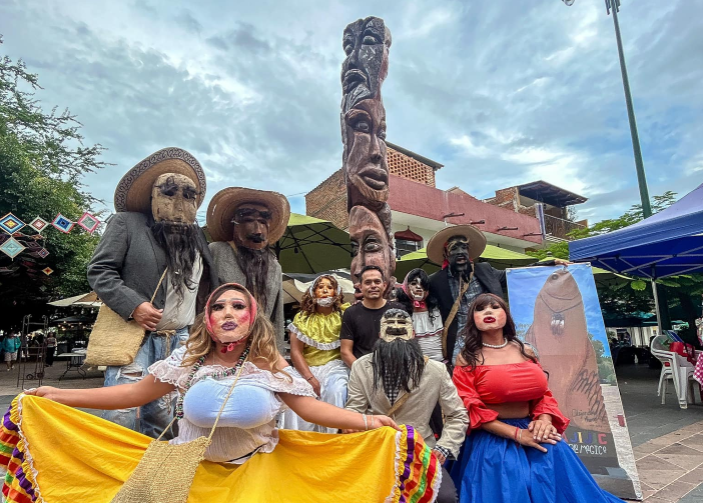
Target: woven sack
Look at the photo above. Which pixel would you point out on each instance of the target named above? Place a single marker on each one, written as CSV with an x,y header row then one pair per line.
x,y
114,341
166,471
164,474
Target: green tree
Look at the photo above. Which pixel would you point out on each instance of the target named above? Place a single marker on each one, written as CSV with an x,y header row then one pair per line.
x,y
42,164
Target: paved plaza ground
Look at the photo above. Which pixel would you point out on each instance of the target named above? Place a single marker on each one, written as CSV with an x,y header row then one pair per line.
x,y
667,441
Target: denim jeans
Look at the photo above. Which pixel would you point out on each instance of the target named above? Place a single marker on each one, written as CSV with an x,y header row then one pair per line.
x,y
154,416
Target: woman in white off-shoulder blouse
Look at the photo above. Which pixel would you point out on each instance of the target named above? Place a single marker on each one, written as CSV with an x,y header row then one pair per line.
x,y
231,333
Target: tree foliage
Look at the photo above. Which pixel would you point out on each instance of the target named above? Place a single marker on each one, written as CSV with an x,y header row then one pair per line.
x,y
42,164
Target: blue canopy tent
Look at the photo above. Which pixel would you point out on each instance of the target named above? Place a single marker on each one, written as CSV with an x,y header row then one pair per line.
x,y
665,244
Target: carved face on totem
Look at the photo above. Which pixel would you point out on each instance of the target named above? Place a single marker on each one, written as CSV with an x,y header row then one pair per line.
x,y
370,243
396,324
251,225
365,163
174,198
366,43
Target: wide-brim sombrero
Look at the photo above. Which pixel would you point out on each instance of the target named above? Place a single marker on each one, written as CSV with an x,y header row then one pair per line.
x,y
220,211
133,193
477,242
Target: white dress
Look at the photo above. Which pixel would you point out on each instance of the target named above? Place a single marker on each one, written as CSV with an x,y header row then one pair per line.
x,y
248,422
428,332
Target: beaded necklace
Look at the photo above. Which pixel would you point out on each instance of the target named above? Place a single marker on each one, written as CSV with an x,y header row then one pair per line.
x,y
217,376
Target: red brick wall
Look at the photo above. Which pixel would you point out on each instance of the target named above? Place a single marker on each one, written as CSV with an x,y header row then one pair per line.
x,y
328,201
505,198
405,166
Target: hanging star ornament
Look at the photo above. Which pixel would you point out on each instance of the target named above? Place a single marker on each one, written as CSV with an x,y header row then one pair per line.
x,y
12,248
11,224
62,223
38,224
88,222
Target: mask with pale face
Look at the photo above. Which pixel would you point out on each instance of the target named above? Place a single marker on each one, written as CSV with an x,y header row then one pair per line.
x,y
251,225
396,324
174,198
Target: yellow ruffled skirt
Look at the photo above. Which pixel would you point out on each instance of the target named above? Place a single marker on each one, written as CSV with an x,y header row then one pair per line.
x,y
56,454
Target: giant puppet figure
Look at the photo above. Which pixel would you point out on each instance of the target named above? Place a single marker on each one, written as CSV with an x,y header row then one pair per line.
x,y
154,234
243,223
363,120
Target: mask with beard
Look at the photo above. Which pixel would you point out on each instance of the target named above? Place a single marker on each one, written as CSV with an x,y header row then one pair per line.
x,y
255,266
179,242
398,361
457,254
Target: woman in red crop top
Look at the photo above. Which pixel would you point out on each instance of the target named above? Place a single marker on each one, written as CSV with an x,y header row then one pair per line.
x,y
514,452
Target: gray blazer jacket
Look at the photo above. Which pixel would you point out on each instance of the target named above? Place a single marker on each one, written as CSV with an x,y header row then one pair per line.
x,y
128,263
435,386
228,271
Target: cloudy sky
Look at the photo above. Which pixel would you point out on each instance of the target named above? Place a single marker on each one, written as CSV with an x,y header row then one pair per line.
x,y
500,92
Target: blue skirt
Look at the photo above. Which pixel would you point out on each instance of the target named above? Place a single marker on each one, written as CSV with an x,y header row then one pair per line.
x,y
492,469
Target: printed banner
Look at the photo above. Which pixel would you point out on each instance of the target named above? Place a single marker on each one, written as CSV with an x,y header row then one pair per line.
x,y
556,309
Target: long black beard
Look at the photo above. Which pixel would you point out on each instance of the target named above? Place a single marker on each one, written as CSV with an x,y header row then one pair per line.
x,y
255,266
400,362
179,241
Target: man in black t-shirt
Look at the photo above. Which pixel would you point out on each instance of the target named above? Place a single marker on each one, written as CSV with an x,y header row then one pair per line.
x,y
361,323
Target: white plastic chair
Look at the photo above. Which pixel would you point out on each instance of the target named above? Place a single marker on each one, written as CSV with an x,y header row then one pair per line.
x,y
660,352
676,368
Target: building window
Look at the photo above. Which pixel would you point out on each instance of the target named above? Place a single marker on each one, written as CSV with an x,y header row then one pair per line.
x,y
404,246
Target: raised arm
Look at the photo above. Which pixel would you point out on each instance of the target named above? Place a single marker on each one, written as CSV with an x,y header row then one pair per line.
x,y
122,396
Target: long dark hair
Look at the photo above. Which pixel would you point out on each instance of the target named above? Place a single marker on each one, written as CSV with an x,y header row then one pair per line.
x,y
180,243
399,363
472,352
407,302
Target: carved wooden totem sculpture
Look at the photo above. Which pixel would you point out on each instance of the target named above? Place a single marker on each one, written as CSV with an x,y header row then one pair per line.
x,y
366,43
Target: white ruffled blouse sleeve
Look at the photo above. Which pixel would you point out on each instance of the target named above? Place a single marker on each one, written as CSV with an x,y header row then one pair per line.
x,y
170,370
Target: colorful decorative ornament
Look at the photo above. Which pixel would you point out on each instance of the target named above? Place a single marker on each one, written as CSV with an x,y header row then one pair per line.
x,y
88,222
38,224
47,270
62,223
43,253
11,224
12,248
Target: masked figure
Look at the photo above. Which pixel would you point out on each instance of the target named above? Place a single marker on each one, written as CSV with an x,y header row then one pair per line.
x,y
243,223
153,231
516,423
414,295
461,279
314,348
398,381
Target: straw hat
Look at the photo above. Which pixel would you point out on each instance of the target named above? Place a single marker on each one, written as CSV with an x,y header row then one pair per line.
x,y
476,239
133,193
220,211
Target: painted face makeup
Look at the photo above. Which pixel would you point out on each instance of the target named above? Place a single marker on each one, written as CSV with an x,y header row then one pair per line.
x,y
415,290
230,318
490,317
174,198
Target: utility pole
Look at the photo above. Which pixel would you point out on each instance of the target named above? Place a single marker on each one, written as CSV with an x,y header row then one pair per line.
x,y
614,7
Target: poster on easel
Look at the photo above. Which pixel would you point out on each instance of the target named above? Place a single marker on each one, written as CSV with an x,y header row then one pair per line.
x,y
556,310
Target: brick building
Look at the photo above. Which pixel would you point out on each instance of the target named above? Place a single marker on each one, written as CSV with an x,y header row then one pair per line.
x,y
543,201
421,208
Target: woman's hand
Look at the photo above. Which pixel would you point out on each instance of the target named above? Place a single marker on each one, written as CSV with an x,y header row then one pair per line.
x,y
378,421
315,385
440,457
48,392
525,438
542,429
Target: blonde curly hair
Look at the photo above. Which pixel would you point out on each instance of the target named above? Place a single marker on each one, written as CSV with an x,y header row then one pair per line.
x,y
262,340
